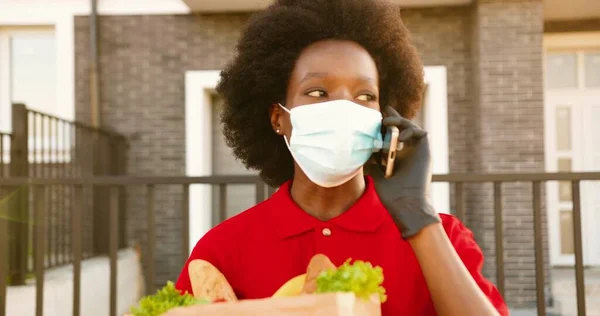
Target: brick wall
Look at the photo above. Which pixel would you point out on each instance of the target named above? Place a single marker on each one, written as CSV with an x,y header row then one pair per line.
x,y
440,35
509,128
143,60
493,54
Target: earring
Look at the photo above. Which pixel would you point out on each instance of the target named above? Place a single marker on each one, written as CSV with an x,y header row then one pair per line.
x,y
277,131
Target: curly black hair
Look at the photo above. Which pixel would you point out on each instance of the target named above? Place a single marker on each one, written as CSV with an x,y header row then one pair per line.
x,y
259,74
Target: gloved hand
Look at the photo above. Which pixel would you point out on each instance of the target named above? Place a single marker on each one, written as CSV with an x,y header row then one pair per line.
x,y
406,193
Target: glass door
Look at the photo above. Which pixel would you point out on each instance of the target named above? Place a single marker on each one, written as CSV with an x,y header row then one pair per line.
x,y
573,145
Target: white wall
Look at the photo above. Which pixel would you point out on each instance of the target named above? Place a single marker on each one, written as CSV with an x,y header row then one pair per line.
x,y
60,14
436,123
58,289
199,87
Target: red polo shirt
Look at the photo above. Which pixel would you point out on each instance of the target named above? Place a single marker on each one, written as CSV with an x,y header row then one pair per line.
x,y
265,246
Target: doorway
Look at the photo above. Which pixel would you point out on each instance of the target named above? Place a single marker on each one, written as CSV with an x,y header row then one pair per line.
x,y
572,110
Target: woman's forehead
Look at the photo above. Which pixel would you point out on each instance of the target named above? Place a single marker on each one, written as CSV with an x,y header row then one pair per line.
x,y
335,58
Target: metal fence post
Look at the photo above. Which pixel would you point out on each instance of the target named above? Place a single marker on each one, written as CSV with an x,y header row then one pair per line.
x,y
118,151
18,226
100,198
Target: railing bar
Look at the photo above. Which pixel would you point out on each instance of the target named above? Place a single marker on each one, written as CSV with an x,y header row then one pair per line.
x,y
185,216
260,191
52,209
222,204
515,177
96,151
90,169
99,130
102,180
40,144
113,245
40,198
30,132
248,180
44,174
71,173
42,114
459,198
75,171
3,262
76,242
2,155
36,167
37,144
1,160
52,203
56,198
54,117
65,196
215,213
33,143
499,238
151,243
539,251
579,272
45,146
74,152
62,207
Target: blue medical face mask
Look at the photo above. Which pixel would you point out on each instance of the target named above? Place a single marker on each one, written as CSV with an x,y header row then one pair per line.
x,y
331,141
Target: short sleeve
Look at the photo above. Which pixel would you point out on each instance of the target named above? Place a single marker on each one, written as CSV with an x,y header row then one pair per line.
x,y
203,250
472,257
212,247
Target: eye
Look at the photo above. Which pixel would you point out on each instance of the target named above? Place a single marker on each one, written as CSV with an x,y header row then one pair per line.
x,y
317,93
366,97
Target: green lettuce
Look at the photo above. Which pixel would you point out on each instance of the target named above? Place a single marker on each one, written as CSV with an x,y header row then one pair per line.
x,y
165,299
360,278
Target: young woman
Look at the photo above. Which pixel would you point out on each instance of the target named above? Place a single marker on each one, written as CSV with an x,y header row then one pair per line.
x,y
304,98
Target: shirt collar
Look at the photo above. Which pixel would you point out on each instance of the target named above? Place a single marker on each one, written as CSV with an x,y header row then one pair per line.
x,y
366,215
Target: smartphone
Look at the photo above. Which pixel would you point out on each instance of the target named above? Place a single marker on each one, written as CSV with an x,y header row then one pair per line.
x,y
391,137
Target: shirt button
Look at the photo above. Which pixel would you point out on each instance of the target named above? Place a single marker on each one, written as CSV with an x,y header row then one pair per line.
x,y
326,232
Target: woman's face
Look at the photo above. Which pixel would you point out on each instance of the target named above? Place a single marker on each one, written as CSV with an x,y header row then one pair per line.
x,y
325,71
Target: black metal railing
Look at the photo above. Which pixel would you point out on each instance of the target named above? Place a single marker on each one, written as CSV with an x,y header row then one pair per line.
x,y
44,146
41,188
536,181
114,184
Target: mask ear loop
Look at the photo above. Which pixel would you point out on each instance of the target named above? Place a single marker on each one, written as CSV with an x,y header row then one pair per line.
x,y
290,112
284,108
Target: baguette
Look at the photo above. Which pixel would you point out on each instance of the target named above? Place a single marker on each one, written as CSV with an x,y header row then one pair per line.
x,y
209,283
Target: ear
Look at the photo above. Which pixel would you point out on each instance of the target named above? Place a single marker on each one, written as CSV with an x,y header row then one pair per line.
x,y
275,113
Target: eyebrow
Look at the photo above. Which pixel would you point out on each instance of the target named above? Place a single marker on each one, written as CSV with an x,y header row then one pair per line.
x,y
367,78
311,75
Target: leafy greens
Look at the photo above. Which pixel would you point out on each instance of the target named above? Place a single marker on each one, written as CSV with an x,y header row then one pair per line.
x,y
165,299
360,278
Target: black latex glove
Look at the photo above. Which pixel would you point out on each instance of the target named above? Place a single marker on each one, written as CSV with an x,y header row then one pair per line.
x,y
406,193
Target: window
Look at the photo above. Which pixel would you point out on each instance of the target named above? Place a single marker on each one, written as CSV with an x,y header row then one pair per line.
x,y
27,71
561,70
592,70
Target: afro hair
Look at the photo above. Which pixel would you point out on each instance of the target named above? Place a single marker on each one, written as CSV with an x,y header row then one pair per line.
x,y
268,49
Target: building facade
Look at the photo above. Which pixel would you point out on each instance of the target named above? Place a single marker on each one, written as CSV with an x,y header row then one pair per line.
x,y
514,87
